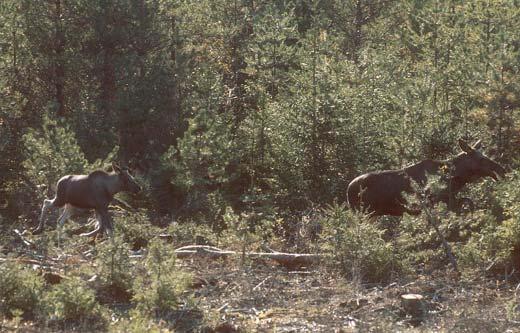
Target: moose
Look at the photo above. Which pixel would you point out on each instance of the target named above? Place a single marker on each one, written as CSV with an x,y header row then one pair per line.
x,y
381,193
93,191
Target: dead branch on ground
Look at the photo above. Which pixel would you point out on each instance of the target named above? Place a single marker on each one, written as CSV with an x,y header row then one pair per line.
x,y
284,259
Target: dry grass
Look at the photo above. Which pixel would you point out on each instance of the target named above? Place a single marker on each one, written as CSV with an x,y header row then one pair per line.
x,y
261,296
272,299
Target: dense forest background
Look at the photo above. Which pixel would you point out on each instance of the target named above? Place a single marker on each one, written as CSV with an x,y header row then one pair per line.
x,y
244,121
271,105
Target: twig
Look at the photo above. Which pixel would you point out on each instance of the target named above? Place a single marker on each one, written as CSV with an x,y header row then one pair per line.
x,y
261,283
24,240
432,221
286,259
223,307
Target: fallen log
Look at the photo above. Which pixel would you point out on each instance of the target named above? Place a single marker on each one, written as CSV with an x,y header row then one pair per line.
x,y
284,259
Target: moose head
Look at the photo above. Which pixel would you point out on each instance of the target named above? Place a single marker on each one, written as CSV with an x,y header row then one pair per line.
x,y
471,164
126,180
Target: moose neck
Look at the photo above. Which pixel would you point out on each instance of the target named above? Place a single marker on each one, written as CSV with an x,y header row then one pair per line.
x,y
457,178
419,172
454,182
113,183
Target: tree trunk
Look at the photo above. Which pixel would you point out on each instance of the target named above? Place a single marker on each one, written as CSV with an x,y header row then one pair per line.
x,y
59,66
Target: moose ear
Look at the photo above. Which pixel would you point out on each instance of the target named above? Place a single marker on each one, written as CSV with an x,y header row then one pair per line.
x,y
464,146
477,145
116,167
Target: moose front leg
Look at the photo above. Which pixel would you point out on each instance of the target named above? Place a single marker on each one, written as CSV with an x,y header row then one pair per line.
x,y
99,226
108,225
104,224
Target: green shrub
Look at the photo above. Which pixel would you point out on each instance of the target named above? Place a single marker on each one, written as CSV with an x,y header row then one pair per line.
x,y
135,229
247,230
137,322
52,153
357,246
72,302
115,271
497,243
158,289
20,291
192,233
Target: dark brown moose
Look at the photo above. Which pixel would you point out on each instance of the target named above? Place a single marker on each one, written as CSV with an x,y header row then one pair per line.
x,y
93,191
381,193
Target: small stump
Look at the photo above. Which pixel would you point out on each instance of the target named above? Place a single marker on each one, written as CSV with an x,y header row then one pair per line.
x,y
413,305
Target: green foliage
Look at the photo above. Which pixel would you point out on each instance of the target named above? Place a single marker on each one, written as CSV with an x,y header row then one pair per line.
x,y
192,233
357,246
138,322
21,290
135,228
278,104
115,270
243,116
73,302
498,242
52,153
158,291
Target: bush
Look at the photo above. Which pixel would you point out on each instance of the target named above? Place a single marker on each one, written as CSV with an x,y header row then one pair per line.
x,y
357,246
138,323
157,291
135,229
72,302
498,241
115,271
20,291
52,153
189,233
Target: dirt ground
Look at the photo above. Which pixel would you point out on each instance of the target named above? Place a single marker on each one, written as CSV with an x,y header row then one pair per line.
x,y
269,298
228,295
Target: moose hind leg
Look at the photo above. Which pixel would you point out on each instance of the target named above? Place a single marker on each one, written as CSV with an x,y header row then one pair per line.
x,y
67,213
47,203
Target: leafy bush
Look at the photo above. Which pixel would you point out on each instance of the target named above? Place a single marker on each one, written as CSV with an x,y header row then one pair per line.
x,y
498,243
72,302
192,233
157,291
53,151
137,322
135,229
114,270
357,246
20,291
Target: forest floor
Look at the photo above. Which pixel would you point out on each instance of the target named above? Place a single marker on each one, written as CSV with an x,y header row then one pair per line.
x,y
228,295
269,298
